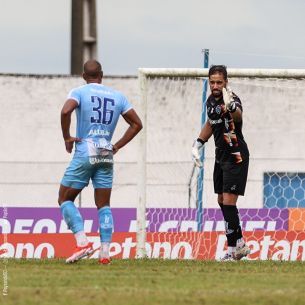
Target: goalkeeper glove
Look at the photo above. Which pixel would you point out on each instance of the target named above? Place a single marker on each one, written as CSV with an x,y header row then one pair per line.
x,y
197,146
228,99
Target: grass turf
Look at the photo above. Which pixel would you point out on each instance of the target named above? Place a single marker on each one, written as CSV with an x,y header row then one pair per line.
x,y
51,281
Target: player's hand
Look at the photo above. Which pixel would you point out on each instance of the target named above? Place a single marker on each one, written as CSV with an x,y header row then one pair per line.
x,y
114,149
197,146
69,142
228,99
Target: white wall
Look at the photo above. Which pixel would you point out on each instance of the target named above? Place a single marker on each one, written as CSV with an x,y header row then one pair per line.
x,y
33,157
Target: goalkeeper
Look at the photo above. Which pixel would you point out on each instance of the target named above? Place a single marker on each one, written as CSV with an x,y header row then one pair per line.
x,y
224,110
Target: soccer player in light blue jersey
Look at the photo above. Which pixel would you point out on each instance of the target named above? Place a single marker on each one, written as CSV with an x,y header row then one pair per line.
x,y
98,109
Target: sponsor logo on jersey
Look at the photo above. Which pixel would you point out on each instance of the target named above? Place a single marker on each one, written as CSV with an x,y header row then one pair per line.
x,y
99,132
213,122
96,160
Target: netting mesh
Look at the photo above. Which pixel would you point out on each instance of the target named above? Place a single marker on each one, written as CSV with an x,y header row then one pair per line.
x,y
271,210
284,190
171,126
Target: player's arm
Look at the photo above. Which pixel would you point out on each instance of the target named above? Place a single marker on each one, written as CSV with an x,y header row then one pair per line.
x,y
232,104
65,117
205,133
235,109
135,125
237,114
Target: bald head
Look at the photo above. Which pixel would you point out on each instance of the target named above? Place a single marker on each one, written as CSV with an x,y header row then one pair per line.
x,y
93,71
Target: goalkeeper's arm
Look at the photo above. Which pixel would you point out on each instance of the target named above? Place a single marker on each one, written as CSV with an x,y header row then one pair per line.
x,y
205,134
232,104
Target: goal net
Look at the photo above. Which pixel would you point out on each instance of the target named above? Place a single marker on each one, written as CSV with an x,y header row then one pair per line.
x,y
169,210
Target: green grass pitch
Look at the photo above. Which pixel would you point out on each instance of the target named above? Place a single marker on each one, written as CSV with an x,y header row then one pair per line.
x,y
146,282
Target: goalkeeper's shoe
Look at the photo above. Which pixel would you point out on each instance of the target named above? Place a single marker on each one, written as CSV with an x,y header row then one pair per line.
x,y
81,252
104,261
242,251
228,258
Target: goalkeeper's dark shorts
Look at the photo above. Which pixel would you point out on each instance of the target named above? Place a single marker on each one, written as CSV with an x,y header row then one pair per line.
x,y
230,177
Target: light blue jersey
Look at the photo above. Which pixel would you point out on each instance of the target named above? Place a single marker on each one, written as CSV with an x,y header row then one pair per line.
x,y
98,111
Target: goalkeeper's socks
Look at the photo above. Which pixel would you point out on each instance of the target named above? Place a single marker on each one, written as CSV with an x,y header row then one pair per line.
x,y
239,234
231,217
240,242
231,251
72,217
105,224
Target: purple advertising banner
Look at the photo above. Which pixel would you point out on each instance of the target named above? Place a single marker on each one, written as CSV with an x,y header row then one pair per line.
x,y
183,220
49,220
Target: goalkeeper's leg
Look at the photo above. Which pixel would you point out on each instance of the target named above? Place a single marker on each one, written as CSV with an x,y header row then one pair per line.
x,y
218,178
242,250
237,248
231,218
234,183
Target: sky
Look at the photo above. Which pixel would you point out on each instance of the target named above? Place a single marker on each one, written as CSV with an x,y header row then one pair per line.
x,y
35,34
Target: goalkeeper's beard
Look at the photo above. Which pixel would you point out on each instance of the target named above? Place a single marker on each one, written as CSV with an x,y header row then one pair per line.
x,y
217,93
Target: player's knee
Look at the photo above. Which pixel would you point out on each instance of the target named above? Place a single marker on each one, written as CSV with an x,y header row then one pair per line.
x,y
229,198
220,198
60,200
100,205
61,197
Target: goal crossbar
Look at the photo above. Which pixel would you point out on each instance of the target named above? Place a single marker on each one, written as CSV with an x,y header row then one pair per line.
x,y
232,72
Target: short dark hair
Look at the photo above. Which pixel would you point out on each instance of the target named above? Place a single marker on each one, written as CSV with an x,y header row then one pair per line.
x,y
93,68
221,69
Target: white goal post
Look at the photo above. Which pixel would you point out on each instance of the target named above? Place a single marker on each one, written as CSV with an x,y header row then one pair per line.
x,y
144,74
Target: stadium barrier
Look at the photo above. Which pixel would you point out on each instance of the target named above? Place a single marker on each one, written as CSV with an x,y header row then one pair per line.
x,y
276,234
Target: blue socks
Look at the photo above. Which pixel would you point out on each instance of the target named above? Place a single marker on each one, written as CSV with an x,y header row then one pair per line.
x,y
75,221
72,216
105,224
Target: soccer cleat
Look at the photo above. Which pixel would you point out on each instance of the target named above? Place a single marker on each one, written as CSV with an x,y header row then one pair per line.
x,y
242,251
104,261
228,258
81,252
